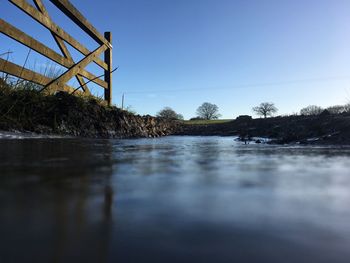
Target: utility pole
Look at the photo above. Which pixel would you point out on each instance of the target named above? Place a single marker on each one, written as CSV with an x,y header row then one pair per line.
x,y
123,101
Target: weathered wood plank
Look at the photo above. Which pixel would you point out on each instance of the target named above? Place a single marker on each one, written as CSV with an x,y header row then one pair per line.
x,y
46,22
30,42
61,37
37,46
69,10
73,71
108,73
40,6
26,74
62,46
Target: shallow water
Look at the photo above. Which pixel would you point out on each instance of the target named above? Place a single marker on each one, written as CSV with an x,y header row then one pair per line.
x,y
174,199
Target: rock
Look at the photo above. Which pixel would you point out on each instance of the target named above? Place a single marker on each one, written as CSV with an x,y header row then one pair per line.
x,y
244,118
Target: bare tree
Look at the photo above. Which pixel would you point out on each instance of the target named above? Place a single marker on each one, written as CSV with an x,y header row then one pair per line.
x,y
265,109
169,113
337,109
208,111
311,110
347,108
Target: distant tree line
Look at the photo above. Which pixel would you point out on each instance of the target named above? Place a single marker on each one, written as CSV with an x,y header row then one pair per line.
x,y
210,111
206,111
313,110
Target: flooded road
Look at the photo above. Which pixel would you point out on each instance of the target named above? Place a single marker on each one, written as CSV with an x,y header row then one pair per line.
x,y
174,199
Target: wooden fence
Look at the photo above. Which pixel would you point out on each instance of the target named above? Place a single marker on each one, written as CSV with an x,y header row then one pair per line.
x,y
74,69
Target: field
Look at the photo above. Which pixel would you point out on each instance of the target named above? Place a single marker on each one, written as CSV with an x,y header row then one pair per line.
x,y
206,122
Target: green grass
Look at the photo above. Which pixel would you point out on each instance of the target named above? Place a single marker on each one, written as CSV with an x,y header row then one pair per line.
x,y
206,122
27,88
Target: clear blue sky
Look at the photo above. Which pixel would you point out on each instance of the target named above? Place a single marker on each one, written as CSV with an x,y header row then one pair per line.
x,y
185,52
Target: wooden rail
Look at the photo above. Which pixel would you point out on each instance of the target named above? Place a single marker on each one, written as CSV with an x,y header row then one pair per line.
x,y
73,69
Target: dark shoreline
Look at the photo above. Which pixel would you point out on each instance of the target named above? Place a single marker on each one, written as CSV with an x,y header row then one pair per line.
x,y
306,130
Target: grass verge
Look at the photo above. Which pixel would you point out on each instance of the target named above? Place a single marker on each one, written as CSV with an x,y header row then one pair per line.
x,y
206,122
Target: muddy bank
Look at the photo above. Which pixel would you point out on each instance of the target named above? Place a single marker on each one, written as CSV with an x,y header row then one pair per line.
x,y
323,129
64,114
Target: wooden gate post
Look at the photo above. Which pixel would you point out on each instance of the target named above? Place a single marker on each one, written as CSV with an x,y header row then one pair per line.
x,y
108,73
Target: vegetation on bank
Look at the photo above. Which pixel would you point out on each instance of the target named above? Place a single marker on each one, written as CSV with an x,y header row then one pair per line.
x,y
304,129
27,109
23,106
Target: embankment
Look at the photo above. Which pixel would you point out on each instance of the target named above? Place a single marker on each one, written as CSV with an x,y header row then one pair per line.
x,y
322,129
64,114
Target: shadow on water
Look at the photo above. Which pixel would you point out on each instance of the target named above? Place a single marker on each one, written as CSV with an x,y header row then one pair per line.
x,y
175,199
56,200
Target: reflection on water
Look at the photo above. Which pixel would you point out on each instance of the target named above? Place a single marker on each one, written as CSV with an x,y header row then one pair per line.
x,y
175,199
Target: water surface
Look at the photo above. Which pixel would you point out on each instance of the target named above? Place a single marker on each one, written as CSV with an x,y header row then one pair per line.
x,y
174,199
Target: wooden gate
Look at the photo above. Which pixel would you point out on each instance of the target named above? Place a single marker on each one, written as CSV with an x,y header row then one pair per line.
x,y
73,69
